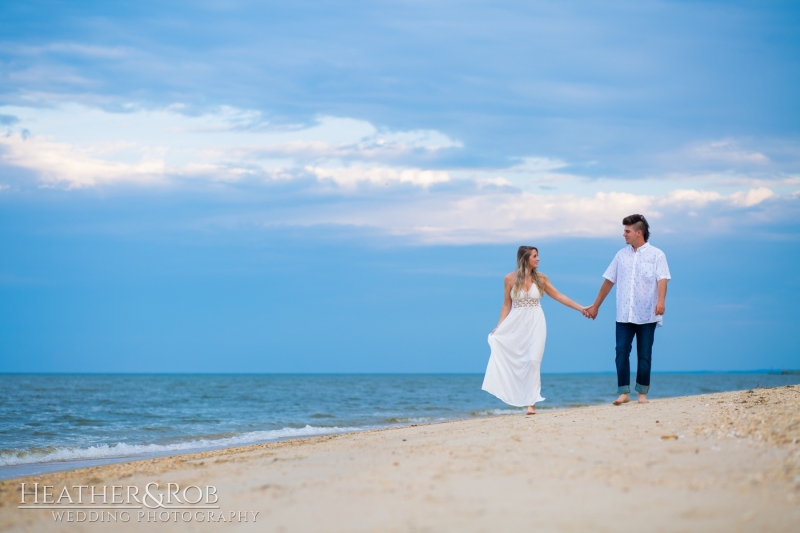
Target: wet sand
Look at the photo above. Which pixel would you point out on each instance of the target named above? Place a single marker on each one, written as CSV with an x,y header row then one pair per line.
x,y
721,462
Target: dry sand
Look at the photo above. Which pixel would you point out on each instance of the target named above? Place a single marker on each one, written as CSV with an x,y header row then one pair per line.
x,y
721,462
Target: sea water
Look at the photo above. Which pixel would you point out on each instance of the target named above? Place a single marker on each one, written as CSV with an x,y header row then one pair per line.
x,y
57,421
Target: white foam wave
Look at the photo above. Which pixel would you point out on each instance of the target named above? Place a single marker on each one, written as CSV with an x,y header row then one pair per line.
x,y
122,449
414,420
490,412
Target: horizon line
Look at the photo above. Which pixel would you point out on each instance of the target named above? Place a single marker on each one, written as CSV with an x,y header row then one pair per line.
x,y
752,371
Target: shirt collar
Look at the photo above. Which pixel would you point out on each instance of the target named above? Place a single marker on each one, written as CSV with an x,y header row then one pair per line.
x,y
642,247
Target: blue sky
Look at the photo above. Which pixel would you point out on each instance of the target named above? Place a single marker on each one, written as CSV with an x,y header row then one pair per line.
x,y
339,187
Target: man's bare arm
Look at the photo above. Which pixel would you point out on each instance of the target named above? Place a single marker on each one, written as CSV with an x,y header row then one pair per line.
x,y
662,297
605,288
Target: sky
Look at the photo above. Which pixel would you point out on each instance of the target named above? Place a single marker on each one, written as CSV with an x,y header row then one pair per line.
x,y
248,186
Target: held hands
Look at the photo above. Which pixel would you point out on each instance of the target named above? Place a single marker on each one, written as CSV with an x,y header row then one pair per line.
x,y
591,310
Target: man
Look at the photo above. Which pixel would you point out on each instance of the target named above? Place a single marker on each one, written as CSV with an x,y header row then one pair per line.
x,y
641,274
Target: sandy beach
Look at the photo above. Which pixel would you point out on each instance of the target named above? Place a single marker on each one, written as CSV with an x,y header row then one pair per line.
x,y
721,462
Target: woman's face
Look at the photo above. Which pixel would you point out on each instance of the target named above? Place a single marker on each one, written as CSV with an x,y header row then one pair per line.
x,y
533,259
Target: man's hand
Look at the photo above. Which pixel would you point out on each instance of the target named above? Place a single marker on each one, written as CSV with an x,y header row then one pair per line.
x,y
660,308
591,312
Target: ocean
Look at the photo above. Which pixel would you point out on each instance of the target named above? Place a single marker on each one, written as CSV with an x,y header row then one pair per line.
x,y
53,422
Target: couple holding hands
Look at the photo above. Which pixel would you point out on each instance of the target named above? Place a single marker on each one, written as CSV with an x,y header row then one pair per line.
x,y
640,272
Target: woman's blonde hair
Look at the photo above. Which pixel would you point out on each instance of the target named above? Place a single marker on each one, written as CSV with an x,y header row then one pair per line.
x,y
523,256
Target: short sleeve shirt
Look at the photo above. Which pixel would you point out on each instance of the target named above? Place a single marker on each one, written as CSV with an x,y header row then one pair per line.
x,y
636,275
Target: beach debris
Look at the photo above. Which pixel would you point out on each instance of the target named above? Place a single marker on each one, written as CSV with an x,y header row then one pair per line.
x,y
669,437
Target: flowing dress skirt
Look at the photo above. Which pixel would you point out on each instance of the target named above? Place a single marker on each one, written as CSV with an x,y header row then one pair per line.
x,y
517,349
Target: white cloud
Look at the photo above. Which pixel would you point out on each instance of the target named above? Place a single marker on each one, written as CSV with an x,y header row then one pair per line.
x,y
538,165
728,151
351,176
40,74
62,163
695,198
427,139
750,181
67,48
691,197
528,173
79,146
541,172
751,197
496,181
511,215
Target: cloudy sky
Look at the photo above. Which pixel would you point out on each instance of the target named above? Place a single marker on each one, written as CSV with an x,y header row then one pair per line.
x,y
311,186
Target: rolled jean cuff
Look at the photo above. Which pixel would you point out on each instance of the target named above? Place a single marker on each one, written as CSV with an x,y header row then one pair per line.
x,y
626,389
642,389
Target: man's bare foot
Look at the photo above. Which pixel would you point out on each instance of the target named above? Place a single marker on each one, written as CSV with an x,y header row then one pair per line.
x,y
530,411
623,398
643,398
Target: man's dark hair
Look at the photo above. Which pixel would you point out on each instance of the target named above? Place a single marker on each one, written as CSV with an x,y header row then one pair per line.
x,y
639,223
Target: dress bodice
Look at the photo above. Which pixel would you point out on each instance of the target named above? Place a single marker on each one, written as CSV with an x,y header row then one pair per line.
x,y
529,298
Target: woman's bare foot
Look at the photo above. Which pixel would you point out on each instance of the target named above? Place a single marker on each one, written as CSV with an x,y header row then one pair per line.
x,y
530,411
643,398
623,398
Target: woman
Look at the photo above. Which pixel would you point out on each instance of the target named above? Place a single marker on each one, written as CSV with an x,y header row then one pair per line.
x,y
518,340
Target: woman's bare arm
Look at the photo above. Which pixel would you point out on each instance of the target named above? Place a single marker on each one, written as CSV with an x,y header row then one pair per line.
x,y
508,283
553,293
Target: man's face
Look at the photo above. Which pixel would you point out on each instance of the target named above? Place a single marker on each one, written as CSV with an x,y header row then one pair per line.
x,y
632,237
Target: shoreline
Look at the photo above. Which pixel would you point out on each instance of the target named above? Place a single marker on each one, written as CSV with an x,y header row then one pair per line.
x,y
717,462
43,458
63,466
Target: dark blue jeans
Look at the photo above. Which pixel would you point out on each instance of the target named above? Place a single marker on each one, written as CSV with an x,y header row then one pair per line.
x,y
645,334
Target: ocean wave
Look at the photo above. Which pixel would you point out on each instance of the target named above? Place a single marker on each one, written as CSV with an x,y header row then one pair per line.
x,y
413,420
491,412
122,449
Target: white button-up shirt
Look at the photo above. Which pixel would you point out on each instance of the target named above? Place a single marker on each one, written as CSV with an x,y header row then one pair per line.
x,y
636,275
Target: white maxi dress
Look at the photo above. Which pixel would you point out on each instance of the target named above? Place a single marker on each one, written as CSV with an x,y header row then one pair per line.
x,y
517,349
